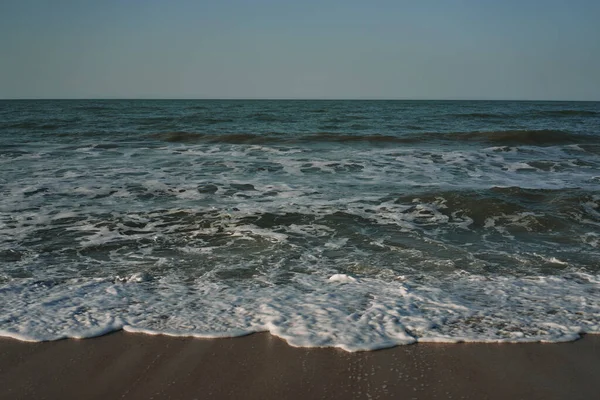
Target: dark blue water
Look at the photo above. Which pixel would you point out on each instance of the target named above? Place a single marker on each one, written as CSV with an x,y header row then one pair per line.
x,y
358,224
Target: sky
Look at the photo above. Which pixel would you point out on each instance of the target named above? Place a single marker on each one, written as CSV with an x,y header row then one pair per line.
x,y
316,49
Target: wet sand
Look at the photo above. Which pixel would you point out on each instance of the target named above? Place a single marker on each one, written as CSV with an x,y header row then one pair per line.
x,y
260,366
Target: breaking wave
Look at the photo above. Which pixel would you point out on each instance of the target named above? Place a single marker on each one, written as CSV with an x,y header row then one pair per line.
x,y
507,137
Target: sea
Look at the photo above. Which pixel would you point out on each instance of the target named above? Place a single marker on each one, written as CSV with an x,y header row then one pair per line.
x,y
351,224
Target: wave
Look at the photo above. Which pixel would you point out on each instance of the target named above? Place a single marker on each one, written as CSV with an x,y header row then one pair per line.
x,y
479,115
510,137
574,113
212,121
47,125
267,117
341,138
232,138
320,310
538,210
550,113
346,119
530,137
102,107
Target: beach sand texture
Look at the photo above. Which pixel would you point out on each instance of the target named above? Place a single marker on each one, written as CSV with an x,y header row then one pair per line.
x,y
261,366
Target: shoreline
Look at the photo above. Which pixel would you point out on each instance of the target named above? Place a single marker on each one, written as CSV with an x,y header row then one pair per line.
x,y
262,366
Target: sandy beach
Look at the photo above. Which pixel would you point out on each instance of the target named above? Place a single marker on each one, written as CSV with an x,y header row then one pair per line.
x,y
260,366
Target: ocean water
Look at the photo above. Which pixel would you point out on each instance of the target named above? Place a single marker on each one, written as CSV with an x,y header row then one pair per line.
x,y
351,224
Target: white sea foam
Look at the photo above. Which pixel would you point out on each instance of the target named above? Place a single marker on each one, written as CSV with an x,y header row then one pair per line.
x,y
342,278
359,314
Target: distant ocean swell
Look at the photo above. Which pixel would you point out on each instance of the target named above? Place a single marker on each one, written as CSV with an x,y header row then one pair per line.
x,y
549,113
514,137
204,115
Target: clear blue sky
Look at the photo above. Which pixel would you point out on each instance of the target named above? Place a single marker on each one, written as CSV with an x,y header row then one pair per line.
x,y
418,49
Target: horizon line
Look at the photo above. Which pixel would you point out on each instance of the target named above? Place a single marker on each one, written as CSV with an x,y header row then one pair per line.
x,y
275,99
